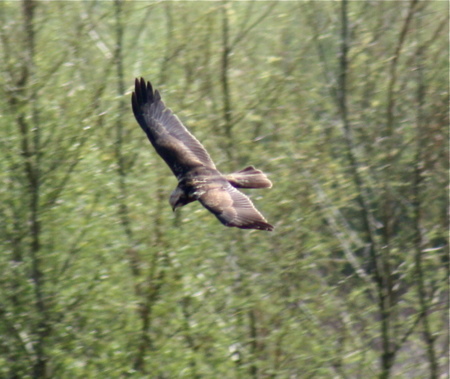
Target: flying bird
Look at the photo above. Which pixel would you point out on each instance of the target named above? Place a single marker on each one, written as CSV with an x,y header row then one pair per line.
x,y
198,177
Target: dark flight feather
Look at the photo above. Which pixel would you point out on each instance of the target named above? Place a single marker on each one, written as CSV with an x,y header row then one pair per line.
x,y
170,138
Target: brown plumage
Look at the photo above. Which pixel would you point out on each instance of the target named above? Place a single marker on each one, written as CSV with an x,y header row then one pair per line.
x,y
198,178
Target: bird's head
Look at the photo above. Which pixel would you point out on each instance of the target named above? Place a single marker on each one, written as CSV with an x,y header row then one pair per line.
x,y
178,198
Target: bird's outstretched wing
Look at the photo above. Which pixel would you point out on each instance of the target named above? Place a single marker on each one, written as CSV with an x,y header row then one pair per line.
x,y
170,138
233,208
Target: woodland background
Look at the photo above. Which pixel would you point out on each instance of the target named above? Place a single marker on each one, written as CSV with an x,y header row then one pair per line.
x,y
344,104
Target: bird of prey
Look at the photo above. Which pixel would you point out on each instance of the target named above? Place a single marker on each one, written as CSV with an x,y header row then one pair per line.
x,y
198,177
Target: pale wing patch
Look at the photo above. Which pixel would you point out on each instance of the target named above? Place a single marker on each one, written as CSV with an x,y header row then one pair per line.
x,y
233,208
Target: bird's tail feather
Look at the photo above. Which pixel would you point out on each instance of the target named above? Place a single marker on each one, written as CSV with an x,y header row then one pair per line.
x,y
249,177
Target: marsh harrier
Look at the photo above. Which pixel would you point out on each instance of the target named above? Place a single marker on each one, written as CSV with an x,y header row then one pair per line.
x,y
198,177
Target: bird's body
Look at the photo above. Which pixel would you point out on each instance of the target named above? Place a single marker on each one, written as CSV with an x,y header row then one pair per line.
x,y
198,177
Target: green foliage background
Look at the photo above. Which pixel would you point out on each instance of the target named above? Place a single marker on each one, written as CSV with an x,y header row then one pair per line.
x,y
344,105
